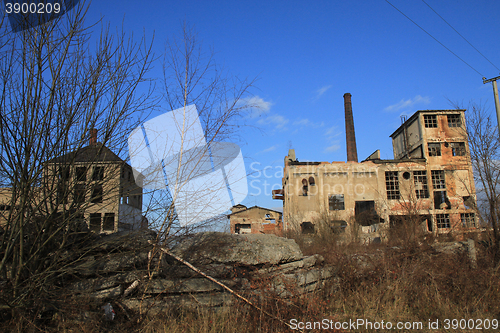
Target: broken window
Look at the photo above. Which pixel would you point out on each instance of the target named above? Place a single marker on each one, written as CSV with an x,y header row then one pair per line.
x,y
98,173
468,220
365,213
307,228
79,194
96,194
468,202
62,195
109,222
95,222
420,179
81,174
454,120
63,173
430,121
441,200
242,228
443,221
438,179
304,187
392,184
434,149
311,181
458,148
4,207
336,202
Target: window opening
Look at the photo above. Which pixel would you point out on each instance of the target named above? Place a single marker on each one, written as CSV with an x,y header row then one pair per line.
x,y
438,179
434,149
365,213
430,121
454,120
443,221
336,202
307,227
441,200
392,184
468,220
81,174
458,148
79,193
240,228
98,173
109,222
304,187
95,222
420,180
96,194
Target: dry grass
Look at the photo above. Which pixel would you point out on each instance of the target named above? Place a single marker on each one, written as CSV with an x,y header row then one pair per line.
x,y
376,283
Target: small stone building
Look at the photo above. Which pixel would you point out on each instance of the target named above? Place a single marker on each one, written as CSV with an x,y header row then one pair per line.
x,y
255,220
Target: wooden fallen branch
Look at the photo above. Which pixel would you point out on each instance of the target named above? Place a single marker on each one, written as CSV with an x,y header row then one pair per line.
x,y
226,287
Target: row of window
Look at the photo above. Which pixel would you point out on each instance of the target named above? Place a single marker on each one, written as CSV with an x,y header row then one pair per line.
x,y
81,173
99,222
454,120
420,182
468,220
97,173
96,195
457,148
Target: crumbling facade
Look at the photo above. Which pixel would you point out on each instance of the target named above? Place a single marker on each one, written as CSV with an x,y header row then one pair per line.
x,y
255,220
428,183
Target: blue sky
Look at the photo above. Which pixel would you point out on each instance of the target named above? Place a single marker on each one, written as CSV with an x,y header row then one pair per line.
x,y
306,55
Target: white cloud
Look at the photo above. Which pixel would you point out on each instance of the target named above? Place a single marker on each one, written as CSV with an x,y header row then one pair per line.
x,y
277,120
403,104
332,131
257,106
332,148
307,123
321,91
272,148
303,122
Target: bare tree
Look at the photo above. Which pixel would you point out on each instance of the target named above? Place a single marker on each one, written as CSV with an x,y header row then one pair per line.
x,y
484,146
191,76
56,87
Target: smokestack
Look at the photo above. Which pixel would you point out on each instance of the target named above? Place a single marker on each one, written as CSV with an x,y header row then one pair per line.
x,y
352,152
93,137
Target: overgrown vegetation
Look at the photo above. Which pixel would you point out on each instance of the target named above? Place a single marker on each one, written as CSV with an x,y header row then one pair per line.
x,y
374,282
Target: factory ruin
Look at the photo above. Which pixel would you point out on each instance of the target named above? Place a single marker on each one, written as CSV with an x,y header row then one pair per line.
x,y
428,183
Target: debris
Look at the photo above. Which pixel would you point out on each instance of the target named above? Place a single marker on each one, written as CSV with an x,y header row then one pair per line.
x,y
109,313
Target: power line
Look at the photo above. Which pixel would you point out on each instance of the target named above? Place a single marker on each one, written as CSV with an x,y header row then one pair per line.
x,y
475,70
461,35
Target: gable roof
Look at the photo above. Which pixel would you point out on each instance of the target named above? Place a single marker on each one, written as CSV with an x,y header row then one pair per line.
x,y
256,207
93,153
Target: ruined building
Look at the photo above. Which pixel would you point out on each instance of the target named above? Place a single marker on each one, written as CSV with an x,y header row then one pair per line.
x,y
91,184
255,220
428,183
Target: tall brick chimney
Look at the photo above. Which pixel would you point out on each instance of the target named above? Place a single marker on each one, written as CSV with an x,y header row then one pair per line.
x,y
352,152
93,137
